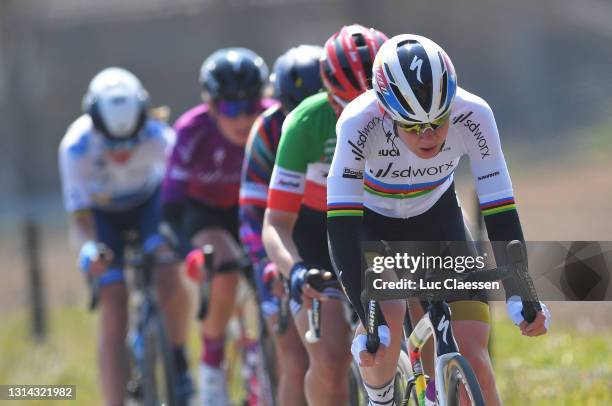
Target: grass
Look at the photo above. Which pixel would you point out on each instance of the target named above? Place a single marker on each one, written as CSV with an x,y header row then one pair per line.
x,y
562,368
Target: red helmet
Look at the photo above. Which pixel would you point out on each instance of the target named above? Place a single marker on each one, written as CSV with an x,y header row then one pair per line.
x,y
346,64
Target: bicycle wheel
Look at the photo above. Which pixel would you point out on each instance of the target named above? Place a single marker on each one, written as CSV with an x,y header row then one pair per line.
x,y
158,375
268,368
460,382
357,393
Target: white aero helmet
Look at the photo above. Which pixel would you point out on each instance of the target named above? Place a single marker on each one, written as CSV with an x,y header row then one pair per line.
x,y
414,79
117,103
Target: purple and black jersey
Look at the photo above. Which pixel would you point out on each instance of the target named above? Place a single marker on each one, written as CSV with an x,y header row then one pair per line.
x,y
204,165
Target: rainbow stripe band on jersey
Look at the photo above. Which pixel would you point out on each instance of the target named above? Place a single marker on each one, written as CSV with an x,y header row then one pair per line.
x,y
394,191
344,209
498,206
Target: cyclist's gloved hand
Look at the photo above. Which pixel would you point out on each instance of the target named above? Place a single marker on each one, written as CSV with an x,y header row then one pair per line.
x,y
194,263
296,281
271,277
515,308
93,258
359,346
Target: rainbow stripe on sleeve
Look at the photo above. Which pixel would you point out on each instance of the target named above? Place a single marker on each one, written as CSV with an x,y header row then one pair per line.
x,y
341,209
498,206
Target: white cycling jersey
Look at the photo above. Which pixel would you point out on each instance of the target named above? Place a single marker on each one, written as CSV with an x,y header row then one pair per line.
x,y
373,167
91,179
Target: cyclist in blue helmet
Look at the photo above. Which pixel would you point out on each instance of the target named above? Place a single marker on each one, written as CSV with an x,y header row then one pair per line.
x,y
201,187
295,76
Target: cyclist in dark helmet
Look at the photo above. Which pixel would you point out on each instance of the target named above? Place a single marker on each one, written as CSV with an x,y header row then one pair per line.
x,y
295,76
200,190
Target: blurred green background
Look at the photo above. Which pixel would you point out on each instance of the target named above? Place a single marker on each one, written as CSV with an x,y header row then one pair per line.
x,y
544,67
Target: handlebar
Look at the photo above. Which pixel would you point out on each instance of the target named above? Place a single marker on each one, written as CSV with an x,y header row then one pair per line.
x,y
516,269
318,280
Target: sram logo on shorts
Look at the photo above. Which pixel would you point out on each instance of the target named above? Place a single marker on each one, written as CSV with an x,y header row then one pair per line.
x,y
358,146
474,128
412,172
352,173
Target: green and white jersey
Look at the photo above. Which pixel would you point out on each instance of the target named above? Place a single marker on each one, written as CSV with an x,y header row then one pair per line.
x,y
304,156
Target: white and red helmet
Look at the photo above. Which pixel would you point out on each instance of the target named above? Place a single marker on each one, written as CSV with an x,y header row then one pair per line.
x,y
346,63
414,79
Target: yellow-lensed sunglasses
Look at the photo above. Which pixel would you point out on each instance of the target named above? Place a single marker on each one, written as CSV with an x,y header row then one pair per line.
x,y
420,128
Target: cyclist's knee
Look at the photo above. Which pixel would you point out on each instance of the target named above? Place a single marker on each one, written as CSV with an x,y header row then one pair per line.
x,y
394,312
169,278
330,359
294,366
331,373
113,308
226,247
114,296
472,338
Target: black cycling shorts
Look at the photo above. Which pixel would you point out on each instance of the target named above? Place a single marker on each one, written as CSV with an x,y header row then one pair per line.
x,y
442,222
310,237
198,216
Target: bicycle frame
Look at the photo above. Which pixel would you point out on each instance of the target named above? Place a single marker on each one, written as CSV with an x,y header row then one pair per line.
x,y
435,322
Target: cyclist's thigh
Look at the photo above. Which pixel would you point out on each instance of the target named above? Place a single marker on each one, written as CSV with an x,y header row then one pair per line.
x,y
109,226
204,224
109,229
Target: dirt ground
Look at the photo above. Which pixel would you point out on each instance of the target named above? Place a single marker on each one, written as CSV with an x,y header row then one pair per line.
x,y
558,202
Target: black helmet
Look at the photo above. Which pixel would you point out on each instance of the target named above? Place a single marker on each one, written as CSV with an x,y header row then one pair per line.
x,y
296,75
233,74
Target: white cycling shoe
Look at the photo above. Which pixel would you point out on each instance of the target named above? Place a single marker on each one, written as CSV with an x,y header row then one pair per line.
x,y
213,386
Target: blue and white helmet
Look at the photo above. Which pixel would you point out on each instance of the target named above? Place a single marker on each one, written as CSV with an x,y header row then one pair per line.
x,y
414,79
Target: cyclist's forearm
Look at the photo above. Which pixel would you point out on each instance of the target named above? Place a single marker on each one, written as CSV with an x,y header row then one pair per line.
x,y
277,235
82,228
345,252
504,227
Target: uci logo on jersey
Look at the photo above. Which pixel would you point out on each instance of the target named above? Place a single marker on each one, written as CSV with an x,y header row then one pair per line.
x,y
389,152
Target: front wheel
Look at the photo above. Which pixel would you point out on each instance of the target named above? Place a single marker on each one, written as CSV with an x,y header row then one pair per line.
x,y
158,375
460,384
404,393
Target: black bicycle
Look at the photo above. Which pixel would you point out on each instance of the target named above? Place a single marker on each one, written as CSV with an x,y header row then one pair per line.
x,y
152,378
455,379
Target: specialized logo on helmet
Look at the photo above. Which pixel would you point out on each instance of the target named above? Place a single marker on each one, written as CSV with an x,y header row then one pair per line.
x,y
417,64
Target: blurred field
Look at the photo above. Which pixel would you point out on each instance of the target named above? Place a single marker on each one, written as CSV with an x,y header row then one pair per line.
x,y
572,364
566,367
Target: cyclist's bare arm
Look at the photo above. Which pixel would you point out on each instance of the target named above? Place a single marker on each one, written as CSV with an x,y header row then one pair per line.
x,y
277,236
82,227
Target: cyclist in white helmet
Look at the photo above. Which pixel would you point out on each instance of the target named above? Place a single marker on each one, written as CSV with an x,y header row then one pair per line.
x,y
112,161
392,179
